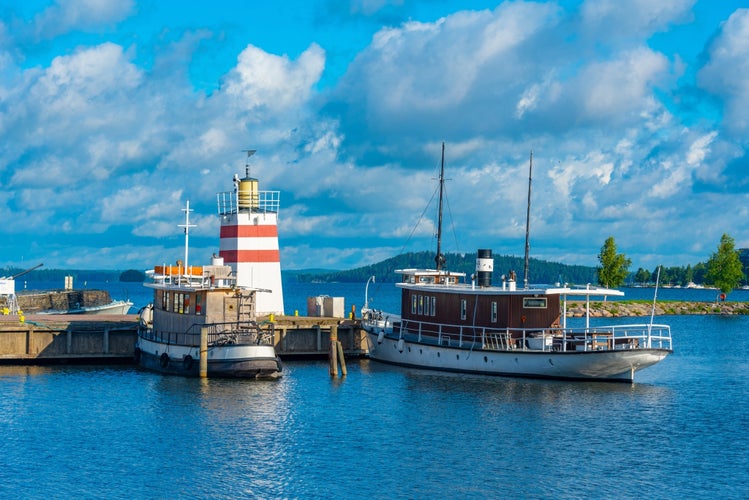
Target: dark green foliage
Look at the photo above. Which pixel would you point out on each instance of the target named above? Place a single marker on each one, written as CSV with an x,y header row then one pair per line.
x,y
614,266
724,269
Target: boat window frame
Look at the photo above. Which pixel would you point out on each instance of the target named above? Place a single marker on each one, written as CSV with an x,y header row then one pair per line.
x,y
463,308
413,304
433,308
529,301
494,311
421,305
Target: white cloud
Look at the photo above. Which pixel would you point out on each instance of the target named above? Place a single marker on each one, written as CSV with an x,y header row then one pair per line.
x,y
726,73
99,142
632,19
65,16
263,79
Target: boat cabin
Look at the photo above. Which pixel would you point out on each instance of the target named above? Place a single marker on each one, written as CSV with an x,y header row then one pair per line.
x,y
438,297
186,299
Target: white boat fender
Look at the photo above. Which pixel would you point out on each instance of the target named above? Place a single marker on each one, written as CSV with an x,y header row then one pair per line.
x,y
381,336
401,344
187,362
164,360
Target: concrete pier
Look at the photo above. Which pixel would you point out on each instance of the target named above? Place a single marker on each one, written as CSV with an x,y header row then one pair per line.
x,y
111,339
67,338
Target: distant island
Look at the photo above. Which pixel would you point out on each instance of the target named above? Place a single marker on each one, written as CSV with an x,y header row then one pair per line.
x,y
79,276
540,271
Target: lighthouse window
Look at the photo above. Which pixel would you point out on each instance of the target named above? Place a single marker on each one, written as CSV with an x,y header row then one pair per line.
x,y
434,307
494,312
421,304
534,302
462,308
413,304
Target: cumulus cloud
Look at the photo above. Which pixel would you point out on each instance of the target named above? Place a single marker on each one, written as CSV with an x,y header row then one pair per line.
x,y
65,16
726,72
263,79
99,142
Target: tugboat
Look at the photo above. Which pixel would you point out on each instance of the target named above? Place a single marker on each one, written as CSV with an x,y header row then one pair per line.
x,y
449,324
204,320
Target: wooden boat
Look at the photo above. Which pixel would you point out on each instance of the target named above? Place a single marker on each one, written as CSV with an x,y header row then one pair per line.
x,y
448,323
202,321
205,315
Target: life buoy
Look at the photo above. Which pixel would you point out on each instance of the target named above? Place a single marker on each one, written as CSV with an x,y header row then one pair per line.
x,y
164,360
187,362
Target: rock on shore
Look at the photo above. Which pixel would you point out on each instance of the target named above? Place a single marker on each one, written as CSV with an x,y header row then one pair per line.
x,y
642,308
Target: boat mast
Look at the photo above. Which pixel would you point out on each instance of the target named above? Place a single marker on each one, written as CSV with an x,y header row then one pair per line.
x,y
528,224
440,259
187,227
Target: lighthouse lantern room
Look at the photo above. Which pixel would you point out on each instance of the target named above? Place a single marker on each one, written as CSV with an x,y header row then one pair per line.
x,y
249,239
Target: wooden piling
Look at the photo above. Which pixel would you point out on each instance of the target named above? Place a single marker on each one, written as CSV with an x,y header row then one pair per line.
x,y
342,360
333,352
204,353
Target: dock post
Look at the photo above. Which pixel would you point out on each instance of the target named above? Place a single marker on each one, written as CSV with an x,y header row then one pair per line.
x,y
203,353
105,341
333,351
339,345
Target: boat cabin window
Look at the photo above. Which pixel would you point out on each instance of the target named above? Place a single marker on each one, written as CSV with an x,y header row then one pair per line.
x,y
494,312
426,279
462,308
186,308
413,304
178,302
409,278
198,304
433,311
165,300
534,302
421,304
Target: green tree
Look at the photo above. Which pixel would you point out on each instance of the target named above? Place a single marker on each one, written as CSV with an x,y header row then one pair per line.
x,y
642,276
614,266
724,268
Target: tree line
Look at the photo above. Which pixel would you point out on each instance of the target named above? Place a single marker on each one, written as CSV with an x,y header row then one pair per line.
x,y
723,269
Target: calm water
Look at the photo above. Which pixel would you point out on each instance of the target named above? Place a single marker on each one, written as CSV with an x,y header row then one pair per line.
x,y
385,432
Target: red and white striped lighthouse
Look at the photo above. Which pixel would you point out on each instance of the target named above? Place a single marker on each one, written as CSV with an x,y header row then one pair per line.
x,y
249,240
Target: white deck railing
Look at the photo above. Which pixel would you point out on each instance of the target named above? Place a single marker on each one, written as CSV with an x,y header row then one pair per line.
x,y
598,338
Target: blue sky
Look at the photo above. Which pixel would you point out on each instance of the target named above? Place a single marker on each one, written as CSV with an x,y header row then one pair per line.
x,y
115,113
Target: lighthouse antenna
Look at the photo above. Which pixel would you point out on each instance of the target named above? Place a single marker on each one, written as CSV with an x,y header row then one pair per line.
x,y
249,152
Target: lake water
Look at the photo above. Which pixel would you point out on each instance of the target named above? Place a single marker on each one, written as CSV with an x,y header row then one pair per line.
x,y
385,432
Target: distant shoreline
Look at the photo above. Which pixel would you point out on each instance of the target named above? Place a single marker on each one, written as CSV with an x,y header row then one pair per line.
x,y
634,308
